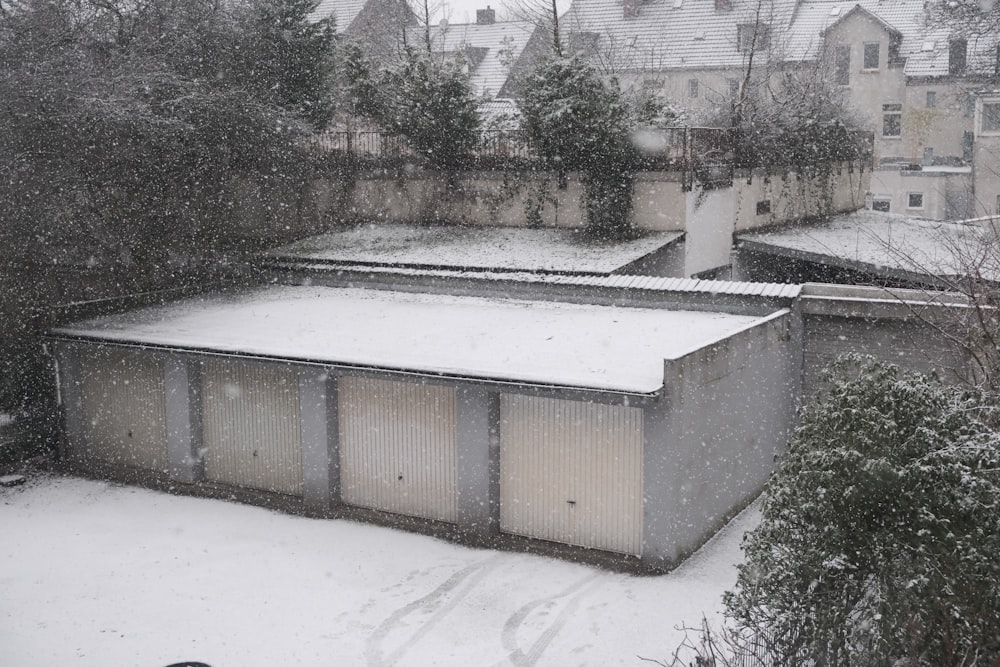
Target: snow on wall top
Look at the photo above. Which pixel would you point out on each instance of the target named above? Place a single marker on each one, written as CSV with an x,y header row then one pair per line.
x,y
506,248
882,241
585,346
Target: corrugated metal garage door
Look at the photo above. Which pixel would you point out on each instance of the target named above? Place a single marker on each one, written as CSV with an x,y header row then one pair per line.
x,y
251,421
124,408
397,447
571,472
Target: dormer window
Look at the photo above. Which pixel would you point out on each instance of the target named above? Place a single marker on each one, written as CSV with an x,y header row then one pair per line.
x,y
957,50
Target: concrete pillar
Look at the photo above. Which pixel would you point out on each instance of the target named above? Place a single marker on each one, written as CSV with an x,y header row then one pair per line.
x,y
319,432
659,475
477,457
71,399
182,391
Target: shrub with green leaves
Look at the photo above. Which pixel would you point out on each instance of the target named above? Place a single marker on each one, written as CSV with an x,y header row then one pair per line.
x,y
424,98
578,122
880,537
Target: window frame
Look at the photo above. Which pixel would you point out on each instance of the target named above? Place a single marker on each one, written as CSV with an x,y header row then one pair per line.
x,y
882,199
894,110
693,88
957,64
994,129
931,101
866,52
909,201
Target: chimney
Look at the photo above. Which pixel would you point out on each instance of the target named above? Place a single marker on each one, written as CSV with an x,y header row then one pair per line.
x,y
630,8
486,16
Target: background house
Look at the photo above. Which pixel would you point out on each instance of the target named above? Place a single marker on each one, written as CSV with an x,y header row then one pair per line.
x,y
376,25
909,72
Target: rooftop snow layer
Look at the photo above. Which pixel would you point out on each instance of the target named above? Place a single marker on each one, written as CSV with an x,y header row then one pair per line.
x,y
881,241
587,346
499,44
505,248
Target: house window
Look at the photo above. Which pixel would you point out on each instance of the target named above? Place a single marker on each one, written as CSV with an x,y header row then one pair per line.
x,y
753,37
893,53
990,121
891,120
871,55
957,49
970,105
692,88
734,88
723,5
883,204
842,65
915,200
931,99
764,207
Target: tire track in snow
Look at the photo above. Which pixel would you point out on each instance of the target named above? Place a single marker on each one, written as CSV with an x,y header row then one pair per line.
x,y
508,637
440,601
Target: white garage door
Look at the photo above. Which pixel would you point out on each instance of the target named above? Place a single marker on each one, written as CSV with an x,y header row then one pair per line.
x,y
251,421
124,408
397,447
571,472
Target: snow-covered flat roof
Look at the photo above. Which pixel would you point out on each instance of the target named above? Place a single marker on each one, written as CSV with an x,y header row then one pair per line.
x,y
586,346
880,241
506,248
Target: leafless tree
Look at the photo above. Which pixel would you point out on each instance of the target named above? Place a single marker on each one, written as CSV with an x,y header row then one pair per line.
x,y
542,13
966,312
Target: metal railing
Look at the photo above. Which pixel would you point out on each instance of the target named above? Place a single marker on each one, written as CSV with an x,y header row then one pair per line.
x,y
689,144
694,150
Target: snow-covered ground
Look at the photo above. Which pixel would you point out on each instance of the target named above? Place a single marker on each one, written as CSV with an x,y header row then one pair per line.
x,y
96,574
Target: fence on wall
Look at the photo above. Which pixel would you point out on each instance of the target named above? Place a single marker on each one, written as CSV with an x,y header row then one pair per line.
x,y
659,148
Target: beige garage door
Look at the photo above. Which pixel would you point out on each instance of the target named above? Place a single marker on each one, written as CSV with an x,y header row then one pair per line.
x,y
571,472
397,447
251,421
124,415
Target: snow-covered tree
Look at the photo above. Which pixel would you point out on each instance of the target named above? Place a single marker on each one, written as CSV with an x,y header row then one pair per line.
x,y
124,127
576,121
426,99
880,537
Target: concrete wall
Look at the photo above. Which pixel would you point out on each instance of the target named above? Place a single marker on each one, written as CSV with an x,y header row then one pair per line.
x,y
986,167
728,409
660,203
794,195
896,326
938,185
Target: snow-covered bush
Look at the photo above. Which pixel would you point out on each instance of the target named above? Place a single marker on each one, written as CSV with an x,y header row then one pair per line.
x,y
880,537
578,122
424,98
